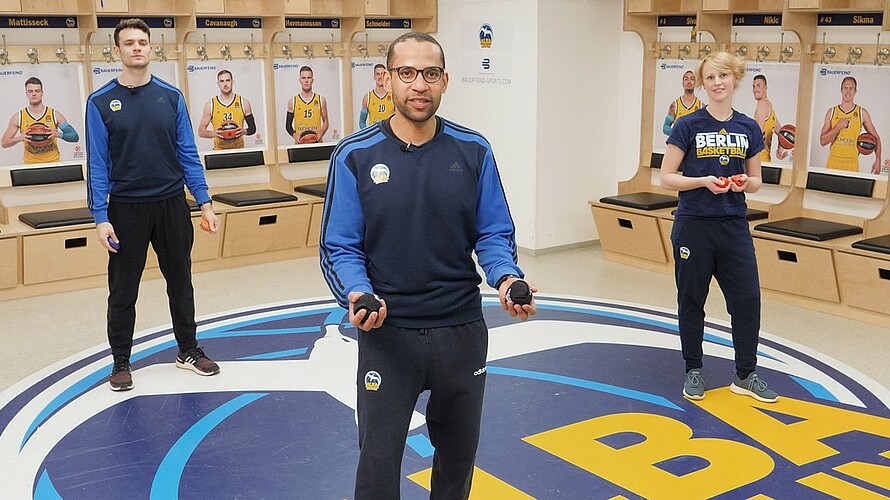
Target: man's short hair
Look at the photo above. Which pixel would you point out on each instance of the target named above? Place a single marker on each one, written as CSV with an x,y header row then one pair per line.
x,y
224,71
306,68
414,35
33,81
134,23
761,77
855,84
380,66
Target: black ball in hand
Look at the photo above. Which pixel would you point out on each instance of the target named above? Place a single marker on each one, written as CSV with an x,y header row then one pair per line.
x,y
519,293
366,302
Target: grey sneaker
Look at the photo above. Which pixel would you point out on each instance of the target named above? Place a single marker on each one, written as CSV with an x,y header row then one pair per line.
x,y
694,388
754,387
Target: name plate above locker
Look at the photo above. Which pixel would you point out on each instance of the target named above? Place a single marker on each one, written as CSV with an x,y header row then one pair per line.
x,y
38,22
757,19
304,22
230,22
849,19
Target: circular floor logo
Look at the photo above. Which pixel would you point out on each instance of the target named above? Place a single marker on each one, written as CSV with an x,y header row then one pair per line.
x,y
584,401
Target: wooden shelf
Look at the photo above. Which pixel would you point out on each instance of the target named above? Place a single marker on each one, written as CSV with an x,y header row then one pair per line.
x,y
62,255
324,8
864,281
266,230
45,7
240,8
413,9
742,6
9,260
837,5
145,7
210,7
10,6
797,269
661,7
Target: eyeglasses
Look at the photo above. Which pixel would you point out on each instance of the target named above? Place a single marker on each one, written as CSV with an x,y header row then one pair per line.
x,y
408,73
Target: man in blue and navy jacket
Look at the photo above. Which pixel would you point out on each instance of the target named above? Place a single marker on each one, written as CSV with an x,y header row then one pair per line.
x,y
409,200
140,153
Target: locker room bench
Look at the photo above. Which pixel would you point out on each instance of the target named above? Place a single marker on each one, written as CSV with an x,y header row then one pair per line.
x,y
818,229
258,217
54,240
798,254
635,227
306,169
630,223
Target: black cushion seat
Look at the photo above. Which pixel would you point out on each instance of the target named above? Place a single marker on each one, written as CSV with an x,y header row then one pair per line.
x,y
234,160
771,175
877,244
809,229
69,217
253,197
46,175
642,201
57,218
755,214
319,190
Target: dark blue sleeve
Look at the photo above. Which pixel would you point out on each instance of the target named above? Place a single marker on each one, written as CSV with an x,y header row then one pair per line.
x,y
98,163
496,248
341,245
187,152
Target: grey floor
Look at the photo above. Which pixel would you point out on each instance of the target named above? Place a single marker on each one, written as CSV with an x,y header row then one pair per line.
x,y
42,330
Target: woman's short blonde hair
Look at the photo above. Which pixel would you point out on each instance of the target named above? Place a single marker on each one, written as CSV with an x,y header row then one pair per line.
x,y
722,61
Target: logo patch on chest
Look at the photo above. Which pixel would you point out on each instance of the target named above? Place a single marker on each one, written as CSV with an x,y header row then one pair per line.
x,y
380,173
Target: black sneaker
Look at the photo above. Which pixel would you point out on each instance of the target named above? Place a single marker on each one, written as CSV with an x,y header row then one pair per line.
x,y
120,379
196,361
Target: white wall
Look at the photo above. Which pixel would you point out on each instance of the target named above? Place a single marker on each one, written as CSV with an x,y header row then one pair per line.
x,y
578,110
566,129
505,114
630,98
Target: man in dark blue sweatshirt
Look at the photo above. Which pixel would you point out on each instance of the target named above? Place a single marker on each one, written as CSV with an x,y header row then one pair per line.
x,y
140,153
409,199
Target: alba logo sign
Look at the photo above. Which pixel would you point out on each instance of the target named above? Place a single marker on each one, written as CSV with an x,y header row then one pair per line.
x,y
486,36
583,401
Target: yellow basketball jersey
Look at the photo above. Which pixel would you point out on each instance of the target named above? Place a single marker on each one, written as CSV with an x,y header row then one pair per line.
x,y
682,110
843,154
222,113
307,115
768,125
42,154
379,108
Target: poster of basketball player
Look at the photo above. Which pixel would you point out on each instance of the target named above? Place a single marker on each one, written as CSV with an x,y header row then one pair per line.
x,y
768,94
371,100
308,101
227,104
42,113
676,95
850,119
